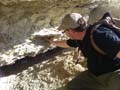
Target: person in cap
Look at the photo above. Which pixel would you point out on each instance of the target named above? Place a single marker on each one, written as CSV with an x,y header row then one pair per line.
x,y
103,69
74,26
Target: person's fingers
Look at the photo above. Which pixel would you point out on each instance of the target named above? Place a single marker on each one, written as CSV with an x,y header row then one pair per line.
x,y
48,37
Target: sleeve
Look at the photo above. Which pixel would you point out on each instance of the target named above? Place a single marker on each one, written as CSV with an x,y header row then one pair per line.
x,y
108,41
74,43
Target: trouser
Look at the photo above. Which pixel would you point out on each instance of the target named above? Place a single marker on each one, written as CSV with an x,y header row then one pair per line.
x,y
88,81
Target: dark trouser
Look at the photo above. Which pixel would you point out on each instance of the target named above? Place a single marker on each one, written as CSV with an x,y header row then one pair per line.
x,y
88,81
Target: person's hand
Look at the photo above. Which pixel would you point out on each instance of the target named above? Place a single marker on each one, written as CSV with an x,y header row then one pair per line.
x,y
49,39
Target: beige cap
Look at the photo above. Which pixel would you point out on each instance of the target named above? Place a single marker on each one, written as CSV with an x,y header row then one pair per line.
x,y
70,21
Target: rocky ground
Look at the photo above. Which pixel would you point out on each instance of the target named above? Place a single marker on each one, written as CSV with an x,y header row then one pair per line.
x,y
48,75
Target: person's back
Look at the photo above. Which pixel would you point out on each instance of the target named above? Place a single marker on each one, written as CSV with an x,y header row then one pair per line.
x,y
107,40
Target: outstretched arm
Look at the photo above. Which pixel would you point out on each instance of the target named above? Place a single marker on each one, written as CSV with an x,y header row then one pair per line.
x,y
62,44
